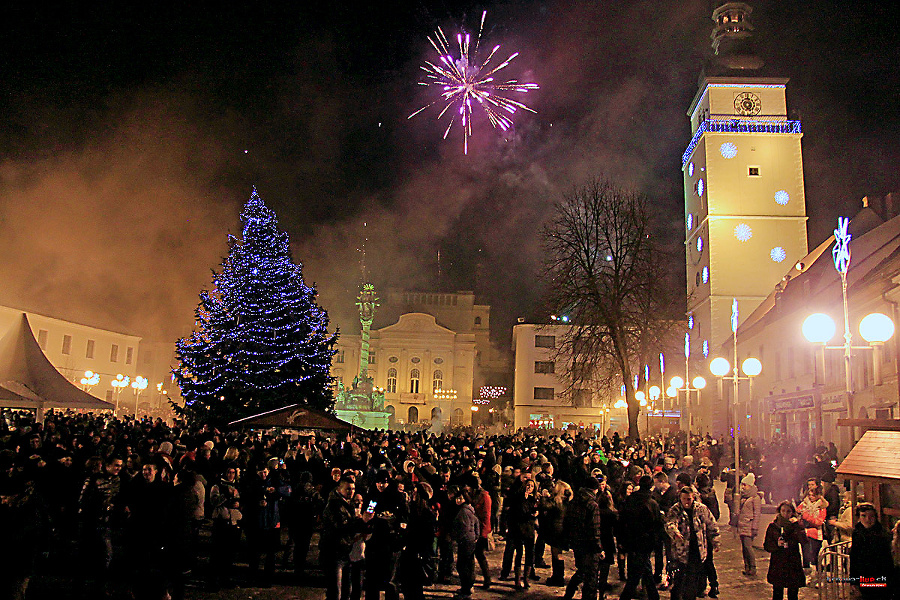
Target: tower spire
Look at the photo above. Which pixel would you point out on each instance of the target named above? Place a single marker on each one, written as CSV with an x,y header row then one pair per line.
x,y
732,38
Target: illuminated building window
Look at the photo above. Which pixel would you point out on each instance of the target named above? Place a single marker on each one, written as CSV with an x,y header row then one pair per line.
x,y
743,232
414,381
778,254
438,380
752,171
392,381
782,197
728,150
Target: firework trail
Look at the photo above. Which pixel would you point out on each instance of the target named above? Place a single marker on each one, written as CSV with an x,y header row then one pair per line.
x,y
464,84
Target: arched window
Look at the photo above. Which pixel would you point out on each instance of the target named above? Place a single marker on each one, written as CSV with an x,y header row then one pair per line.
x,y
435,414
392,416
457,416
438,383
478,320
414,381
392,381
413,415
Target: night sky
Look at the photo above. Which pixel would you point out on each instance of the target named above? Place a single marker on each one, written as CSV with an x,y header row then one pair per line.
x,y
132,134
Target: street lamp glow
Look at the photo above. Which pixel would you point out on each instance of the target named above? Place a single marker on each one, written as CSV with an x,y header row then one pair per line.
x,y
699,382
818,328
719,367
474,409
751,367
671,391
640,395
677,382
654,392
876,328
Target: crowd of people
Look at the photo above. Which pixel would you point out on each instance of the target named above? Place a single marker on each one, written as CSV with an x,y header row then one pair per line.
x,y
129,507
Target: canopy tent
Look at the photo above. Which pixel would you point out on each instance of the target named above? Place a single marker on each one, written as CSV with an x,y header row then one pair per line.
x,y
28,380
295,416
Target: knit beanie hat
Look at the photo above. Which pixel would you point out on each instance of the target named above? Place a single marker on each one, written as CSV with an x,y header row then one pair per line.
x,y
749,479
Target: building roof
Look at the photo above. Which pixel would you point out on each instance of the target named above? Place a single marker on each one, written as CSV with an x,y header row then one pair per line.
x,y
875,455
28,380
294,416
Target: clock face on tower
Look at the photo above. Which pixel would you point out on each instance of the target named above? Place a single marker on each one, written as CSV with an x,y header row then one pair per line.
x,y
747,104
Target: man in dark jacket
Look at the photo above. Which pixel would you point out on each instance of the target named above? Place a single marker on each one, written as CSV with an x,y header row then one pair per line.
x,y
641,518
870,554
665,496
340,524
582,528
466,532
711,501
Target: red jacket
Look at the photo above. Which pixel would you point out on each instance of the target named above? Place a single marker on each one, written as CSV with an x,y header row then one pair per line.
x,y
482,505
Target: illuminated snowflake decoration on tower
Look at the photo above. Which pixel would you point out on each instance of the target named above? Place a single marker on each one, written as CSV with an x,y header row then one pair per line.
x,y
691,170
728,150
699,244
691,322
700,187
782,197
464,82
778,254
690,221
705,274
705,348
743,232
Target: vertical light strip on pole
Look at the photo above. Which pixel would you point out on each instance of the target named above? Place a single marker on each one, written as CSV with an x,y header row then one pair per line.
x,y
734,414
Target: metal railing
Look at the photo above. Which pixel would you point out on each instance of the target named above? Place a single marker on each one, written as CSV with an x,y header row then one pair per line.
x,y
739,126
833,571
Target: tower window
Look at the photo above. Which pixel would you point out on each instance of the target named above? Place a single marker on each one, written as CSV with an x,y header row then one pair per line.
x,y
752,171
67,344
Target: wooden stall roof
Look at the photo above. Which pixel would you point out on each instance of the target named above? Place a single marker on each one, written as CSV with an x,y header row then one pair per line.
x,y
295,416
875,456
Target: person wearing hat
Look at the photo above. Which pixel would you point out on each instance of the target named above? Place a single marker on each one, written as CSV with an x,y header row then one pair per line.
x,y
748,521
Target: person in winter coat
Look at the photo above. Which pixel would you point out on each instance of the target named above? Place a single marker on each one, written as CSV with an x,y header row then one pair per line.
x,y
551,517
225,508
609,517
640,527
417,560
812,513
340,526
666,495
481,503
870,554
466,532
521,532
690,524
748,521
262,519
711,501
784,537
584,532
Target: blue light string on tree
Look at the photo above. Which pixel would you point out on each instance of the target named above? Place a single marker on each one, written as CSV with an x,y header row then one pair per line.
x,y
261,341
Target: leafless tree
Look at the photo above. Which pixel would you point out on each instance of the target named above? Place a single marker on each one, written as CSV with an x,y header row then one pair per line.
x,y
606,273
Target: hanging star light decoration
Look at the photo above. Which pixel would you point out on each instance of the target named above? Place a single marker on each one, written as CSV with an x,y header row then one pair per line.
x,y
465,83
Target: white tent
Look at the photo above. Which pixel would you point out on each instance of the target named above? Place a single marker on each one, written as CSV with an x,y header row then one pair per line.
x,y
28,380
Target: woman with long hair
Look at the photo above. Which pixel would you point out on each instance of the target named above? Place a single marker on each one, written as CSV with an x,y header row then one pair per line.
x,y
784,537
417,559
552,514
521,531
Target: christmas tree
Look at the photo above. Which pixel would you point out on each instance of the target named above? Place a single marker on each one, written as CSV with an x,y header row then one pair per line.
x,y
261,342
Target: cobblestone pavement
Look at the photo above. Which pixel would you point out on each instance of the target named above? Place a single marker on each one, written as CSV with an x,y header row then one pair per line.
x,y
733,584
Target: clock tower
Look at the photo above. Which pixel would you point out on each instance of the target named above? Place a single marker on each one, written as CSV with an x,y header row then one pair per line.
x,y
744,202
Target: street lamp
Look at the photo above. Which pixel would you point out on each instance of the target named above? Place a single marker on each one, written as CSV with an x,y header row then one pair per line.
x,y
160,392
875,328
138,385
119,383
89,380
